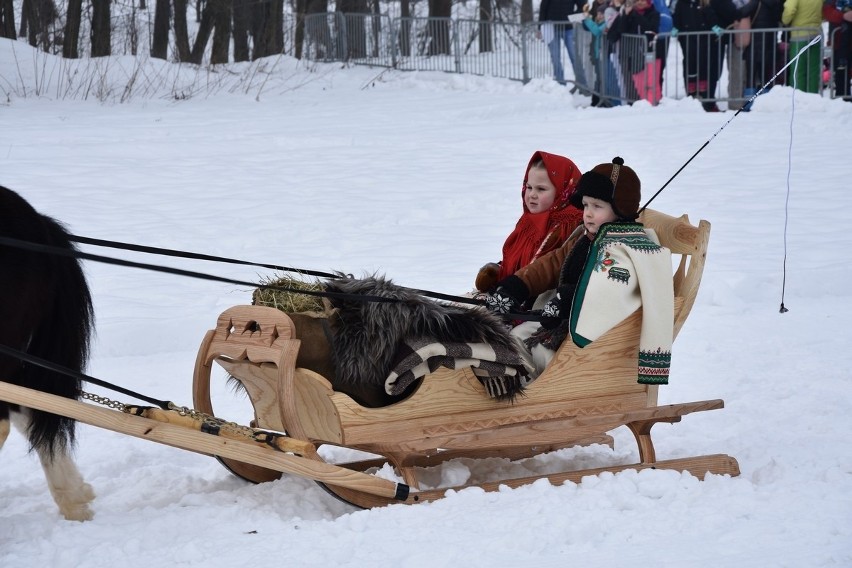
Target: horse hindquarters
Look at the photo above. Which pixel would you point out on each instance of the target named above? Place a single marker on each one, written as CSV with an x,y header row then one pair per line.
x,y
46,311
61,336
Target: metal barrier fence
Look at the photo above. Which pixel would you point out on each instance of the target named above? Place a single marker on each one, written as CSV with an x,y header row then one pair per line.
x,y
840,78
727,67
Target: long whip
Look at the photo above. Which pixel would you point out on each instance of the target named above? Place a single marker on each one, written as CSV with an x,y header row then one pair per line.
x,y
815,40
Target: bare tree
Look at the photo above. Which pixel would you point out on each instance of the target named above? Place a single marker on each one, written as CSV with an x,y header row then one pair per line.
x,y
486,14
160,41
221,31
301,10
405,28
439,30
353,27
181,34
7,19
240,31
526,11
205,28
71,41
267,28
101,32
317,30
216,21
36,18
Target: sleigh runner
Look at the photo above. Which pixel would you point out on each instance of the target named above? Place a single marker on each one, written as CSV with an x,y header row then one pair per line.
x,y
582,395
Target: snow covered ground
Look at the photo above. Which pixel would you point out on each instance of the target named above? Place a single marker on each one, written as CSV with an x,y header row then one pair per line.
x,y
417,176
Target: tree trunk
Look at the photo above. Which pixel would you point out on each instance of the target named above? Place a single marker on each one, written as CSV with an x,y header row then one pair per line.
x,y
160,41
241,47
354,27
405,28
36,17
317,31
72,29
526,11
301,10
220,52
439,30
7,19
101,38
486,14
267,28
181,34
25,16
201,39
276,27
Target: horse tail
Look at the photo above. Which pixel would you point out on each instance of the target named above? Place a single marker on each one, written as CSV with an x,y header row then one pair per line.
x,y
62,337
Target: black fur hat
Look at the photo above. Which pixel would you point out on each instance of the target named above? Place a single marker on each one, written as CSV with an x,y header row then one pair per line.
x,y
614,183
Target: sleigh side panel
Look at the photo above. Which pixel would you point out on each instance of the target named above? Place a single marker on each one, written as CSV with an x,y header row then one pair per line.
x,y
451,409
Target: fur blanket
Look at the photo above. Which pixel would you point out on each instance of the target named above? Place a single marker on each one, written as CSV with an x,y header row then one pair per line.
x,y
368,335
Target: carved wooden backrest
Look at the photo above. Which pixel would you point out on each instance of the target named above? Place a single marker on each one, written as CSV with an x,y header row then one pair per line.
x,y
688,242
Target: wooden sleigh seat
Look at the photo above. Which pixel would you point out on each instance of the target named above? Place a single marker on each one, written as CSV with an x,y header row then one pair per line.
x,y
582,395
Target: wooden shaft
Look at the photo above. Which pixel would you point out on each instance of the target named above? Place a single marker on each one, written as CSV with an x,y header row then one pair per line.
x,y
200,442
282,443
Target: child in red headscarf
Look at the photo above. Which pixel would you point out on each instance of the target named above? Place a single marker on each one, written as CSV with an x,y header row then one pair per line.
x,y
547,221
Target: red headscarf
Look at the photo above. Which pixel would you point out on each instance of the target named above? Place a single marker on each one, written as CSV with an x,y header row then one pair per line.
x,y
539,233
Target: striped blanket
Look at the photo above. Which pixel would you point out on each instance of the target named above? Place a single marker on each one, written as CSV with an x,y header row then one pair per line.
x,y
502,371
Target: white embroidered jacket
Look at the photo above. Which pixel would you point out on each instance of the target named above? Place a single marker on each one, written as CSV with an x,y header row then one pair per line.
x,y
626,269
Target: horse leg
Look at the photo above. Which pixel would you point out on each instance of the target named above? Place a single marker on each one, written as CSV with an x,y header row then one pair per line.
x,y
4,427
70,492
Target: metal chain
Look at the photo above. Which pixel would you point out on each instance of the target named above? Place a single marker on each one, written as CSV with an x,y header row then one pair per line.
x,y
104,401
211,421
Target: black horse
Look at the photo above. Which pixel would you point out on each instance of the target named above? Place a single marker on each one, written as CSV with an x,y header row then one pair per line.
x,y
45,311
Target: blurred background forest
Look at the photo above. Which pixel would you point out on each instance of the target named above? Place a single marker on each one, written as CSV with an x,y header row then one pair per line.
x,y
219,31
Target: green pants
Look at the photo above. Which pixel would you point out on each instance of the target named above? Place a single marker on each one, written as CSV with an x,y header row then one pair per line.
x,y
805,73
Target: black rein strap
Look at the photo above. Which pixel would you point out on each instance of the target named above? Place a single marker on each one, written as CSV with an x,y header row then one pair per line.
x,y
27,245
36,247
164,404
198,256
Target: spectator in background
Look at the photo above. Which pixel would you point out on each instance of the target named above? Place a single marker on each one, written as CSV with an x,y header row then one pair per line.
x,y
839,16
728,12
666,25
636,17
559,12
762,53
700,50
805,74
607,93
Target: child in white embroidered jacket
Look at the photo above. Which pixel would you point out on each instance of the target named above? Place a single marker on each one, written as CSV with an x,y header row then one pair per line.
x,y
602,274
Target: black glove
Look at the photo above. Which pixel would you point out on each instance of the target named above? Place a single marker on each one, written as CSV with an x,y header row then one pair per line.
x,y
556,310
500,302
509,295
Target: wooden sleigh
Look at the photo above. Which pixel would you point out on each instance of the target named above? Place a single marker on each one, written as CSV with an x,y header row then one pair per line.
x,y
581,396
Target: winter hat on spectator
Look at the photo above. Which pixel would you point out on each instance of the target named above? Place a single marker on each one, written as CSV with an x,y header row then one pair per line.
x,y
614,183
